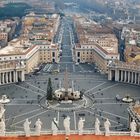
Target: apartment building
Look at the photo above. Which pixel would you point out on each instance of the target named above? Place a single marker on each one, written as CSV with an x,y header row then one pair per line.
x,y
95,47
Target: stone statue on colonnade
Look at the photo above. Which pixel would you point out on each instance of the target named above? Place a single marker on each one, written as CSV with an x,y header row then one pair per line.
x,y
107,124
133,127
38,126
97,127
66,124
54,126
2,120
2,111
81,126
26,126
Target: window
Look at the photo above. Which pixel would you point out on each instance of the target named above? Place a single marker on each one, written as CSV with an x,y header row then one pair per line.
x,y
53,54
78,54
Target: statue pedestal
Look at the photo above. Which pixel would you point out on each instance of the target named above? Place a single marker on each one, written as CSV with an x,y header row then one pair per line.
x,y
107,134
67,133
27,134
97,132
38,133
66,101
132,133
2,133
4,101
54,133
80,132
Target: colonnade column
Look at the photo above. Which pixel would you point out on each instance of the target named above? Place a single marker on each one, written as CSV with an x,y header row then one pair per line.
x,y
121,75
116,75
6,77
0,78
3,78
138,78
15,76
135,78
109,75
128,76
125,76
22,75
132,77
10,77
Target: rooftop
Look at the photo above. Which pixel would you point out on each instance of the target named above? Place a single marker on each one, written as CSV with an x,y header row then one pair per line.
x,y
15,48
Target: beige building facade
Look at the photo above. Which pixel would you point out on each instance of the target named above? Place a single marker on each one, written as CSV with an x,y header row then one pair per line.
x,y
94,54
97,44
20,52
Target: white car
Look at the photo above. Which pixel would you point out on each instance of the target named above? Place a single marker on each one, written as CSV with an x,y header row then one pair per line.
x,y
76,63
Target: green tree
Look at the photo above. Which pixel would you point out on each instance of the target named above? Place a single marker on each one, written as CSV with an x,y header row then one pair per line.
x,y
49,90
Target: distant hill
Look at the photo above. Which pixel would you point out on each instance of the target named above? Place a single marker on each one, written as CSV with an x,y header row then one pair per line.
x,y
96,5
13,10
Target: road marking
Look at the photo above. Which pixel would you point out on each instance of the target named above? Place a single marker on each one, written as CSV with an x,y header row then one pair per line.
x,y
30,117
105,89
29,90
95,87
101,116
21,104
19,127
49,68
66,56
104,98
65,62
113,114
23,114
46,67
107,118
66,45
82,69
77,111
16,99
58,116
42,80
73,68
35,87
74,120
111,103
113,126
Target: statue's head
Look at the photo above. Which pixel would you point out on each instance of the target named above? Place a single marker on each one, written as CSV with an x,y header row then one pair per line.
x,y
68,117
